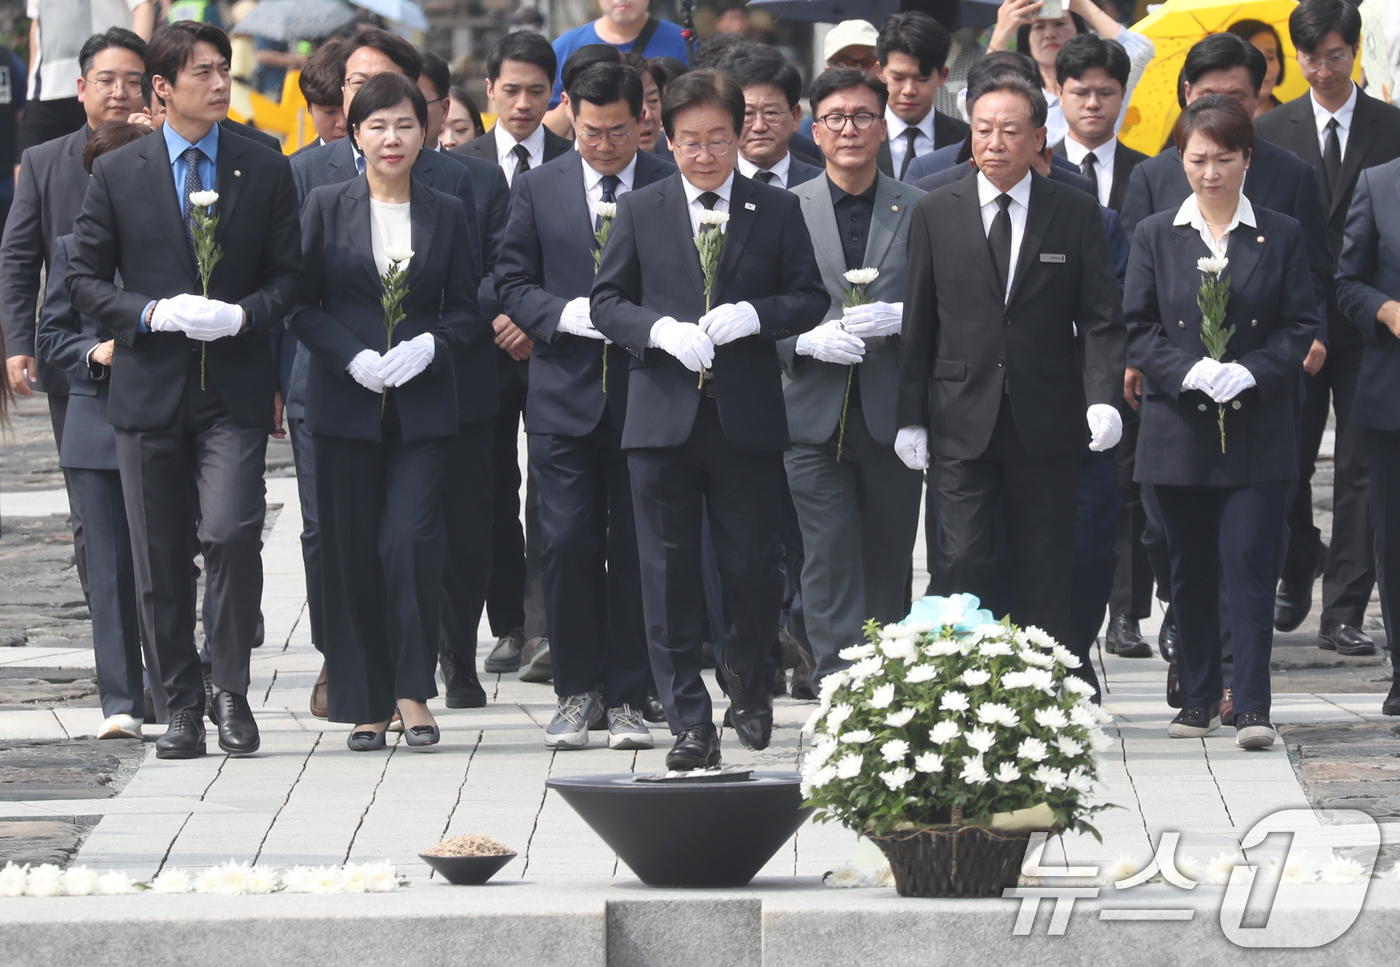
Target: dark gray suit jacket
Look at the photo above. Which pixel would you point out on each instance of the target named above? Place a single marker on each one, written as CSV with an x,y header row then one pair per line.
x,y
1367,278
815,389
1125,159
492,208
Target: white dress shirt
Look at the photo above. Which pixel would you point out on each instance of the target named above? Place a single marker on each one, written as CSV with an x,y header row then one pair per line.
x,y
899,143
505,150
1190,214
390,226
593,185
1104,156
1020,206
1344,115
692,195
780,169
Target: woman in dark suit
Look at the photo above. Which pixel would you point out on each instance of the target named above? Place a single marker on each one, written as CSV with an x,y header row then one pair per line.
x,y
382,405
1220,509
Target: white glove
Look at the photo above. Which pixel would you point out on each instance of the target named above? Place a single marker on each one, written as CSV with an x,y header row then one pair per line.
x,y
206,319
407,359
684,340
169,315
911,446
1200,375
1105,426
1232,380
364,369
731,321
831,344
874,319
575,319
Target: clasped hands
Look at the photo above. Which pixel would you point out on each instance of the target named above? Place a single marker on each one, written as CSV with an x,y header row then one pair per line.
x,y
694,343
197,317
1222,382
374,371
842,341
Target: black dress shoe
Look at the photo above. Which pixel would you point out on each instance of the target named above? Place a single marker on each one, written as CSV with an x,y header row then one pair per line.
x,y
1291,605
1124,639
1346,640
459,681
260,633
238,731
1173,685
695,748
183,738
209,690
750,710
366,741
1391,705
802,687
1166,637
652,709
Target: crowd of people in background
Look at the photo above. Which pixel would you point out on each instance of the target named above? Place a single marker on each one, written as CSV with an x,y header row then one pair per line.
x,y
749,335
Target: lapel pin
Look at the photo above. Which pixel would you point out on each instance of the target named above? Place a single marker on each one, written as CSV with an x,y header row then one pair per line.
x,y
894,208
750,206
237,173
1260,239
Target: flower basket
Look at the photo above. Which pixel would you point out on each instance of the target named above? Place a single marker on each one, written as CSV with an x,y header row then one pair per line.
x,y
954,860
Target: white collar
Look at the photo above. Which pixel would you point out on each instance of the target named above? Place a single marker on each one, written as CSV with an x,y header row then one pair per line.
x,y
591,177
692,193
897,125
988,192
1190,214
1104,153
505,141
780,168
1343,115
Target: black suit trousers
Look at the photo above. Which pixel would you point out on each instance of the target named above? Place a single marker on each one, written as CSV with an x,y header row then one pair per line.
x,y
1095,559
1229,532
304,457
1132,581
466,493
58,415
588,558
671,488
384,548
200,478
1383,451
1038,498
513,598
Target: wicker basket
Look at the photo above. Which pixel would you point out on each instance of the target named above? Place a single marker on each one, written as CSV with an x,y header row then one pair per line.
x,y
954,860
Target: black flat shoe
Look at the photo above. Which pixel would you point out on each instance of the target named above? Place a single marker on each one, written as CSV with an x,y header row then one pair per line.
x,y
1124,639
695,748
1292,603
183,738
238,730
1166,637
1346,640
463,689
368,741
421,735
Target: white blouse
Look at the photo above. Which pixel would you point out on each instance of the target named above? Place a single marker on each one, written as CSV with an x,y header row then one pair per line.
x,y
390,226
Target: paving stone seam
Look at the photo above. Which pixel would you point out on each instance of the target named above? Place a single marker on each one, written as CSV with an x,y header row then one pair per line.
x,y
374,794
458,801
1132,781
170,847
287,798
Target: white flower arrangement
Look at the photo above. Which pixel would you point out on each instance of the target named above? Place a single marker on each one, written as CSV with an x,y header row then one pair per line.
x,y
949,717
227,879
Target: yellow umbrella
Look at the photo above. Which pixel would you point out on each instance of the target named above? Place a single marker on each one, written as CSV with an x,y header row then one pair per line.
x,y
1174,28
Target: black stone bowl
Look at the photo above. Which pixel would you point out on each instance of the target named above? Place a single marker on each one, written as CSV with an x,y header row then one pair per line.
x,y
467,870
690,833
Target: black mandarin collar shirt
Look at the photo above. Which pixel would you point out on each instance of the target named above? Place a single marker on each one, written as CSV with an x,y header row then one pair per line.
x,y
853,215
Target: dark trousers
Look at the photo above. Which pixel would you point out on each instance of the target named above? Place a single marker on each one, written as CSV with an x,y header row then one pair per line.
x,y
304,457
466,503
46,120
1132,578
58,414
514,596
1095,558
1229,531
592,580
383,551
671,487
1037,496
116,631
1348,569
199,478
1383,452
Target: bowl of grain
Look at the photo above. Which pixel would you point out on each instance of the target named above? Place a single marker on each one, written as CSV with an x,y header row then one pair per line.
x,y
467,860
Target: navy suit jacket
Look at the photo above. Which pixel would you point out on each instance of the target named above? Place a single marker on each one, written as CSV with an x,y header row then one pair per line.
x,y
492,208
951,155
1368,277
546,261
1273,310
800,172
650,269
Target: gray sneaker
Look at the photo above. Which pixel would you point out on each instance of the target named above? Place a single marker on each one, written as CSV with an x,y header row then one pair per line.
x,y
569,727
626,730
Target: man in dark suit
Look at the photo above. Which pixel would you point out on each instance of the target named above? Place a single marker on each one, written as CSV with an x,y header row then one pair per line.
x,y
1011,358
520,71
715,441
1339,130
772,107
577,405
322,83
193,379
913,53
1368,295
48,193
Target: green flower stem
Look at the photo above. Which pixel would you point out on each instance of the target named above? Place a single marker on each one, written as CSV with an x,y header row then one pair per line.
x,y
207,254
1212,299
854,297
395,286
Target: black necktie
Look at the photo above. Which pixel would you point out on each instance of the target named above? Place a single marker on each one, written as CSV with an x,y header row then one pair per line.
x,y
708,200
192,185
1332,159
1000,239
609,183
1090,167
909,135
767,177
523,153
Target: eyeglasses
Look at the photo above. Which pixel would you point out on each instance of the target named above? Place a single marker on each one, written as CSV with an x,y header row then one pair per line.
x,y
837,122
868,64
692,149
595,138
106,86
1336,63
771,118
353,84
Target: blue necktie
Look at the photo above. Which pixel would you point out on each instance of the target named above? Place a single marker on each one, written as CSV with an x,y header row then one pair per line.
x,y
192,185
610,183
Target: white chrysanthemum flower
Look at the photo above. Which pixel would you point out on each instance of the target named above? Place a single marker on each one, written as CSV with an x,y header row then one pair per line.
x,y
900,648
353,878
863,276
1099,739
1007,772
974,772
381,877
901,718
822,776
45,880
896,631
865,668
12,879
897,778
981,739
297,880
261,880
856,652
847,876
944,732
1051,718
1012,680
1081,716
894,750
1039,637
1040,678
1068,746
884,876
813,720
882,696
398,253
206,881
325,879
1101,716
1212,265
1295,872
79,881
114,883
710,217
918,627
203,199
1217,871
1051,779
171,881
941,648
1039,659
1064,656
1342,870
976,676
1077,686
838,715
229,879
995,649
1081,782
605,210
954,702
996,713
928,762
1033,749
921,673
820,752
858,737
1123,868
848,767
